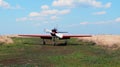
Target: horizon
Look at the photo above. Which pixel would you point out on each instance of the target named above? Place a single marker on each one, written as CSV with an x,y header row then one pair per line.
x,y
72,16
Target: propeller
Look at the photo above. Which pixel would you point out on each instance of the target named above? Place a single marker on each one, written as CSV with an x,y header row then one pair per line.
x,y
48,31
59,35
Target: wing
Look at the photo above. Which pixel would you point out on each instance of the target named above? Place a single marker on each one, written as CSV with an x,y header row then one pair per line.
x,y
40,35
69,36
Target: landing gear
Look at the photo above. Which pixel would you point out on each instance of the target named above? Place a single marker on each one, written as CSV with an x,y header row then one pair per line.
x,y
66,42
44,42
54,41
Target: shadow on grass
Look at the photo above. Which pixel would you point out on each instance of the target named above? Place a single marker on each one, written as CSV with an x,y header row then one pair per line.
x,y
61,44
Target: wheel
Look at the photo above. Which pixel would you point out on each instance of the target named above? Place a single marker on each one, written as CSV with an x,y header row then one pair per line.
x,y
44,42
54,44
65,42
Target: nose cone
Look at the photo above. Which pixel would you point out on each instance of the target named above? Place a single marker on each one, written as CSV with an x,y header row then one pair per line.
x,y
54,30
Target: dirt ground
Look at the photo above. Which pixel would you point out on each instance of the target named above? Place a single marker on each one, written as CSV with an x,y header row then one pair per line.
x,y
37,52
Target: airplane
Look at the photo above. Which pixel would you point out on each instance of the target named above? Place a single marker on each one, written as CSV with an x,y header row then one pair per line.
x,y
55,34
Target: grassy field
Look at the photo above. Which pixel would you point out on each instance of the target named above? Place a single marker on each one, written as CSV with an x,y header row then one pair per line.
x,y
29,52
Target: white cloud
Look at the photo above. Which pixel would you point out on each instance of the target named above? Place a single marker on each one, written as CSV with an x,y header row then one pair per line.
x,y
108,5
63,3
53,17
82,3
84,23
32,14
64,11
45,14
21,19
16,7
117,19
45,7
92,3
101,22
100,13
98,22
49,12
4,4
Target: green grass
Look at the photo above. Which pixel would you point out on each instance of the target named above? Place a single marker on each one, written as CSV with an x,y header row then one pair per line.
x,y
29,52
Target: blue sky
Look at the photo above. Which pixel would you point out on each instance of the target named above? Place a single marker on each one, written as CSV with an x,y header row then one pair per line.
x,y
73,16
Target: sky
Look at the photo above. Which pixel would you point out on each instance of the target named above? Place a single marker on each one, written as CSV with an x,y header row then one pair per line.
x,y
73,16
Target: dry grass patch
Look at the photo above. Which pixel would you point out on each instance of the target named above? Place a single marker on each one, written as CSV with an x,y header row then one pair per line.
x,y
5,40
111,41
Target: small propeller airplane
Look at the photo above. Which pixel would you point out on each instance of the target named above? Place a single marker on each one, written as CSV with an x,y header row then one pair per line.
x,y
54,34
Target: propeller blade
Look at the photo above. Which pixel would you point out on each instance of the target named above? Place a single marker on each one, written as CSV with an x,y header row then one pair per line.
x,y
59,35
48,31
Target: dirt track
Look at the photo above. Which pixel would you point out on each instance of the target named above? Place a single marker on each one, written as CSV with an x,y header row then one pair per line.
x,y
37,51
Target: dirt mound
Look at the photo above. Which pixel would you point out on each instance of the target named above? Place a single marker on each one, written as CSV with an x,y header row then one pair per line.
x,y
5,40
105,40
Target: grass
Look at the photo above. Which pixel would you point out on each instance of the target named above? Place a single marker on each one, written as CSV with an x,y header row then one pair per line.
x,y
29,52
